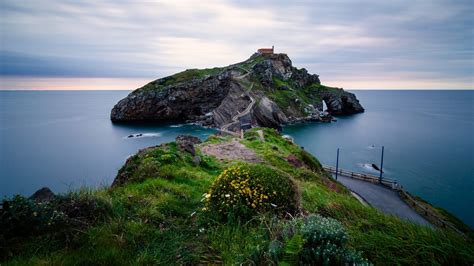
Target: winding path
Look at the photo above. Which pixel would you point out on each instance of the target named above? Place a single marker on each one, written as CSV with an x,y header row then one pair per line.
x,y
235,118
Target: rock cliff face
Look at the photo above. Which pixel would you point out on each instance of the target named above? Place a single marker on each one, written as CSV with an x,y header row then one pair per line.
x,y
265,87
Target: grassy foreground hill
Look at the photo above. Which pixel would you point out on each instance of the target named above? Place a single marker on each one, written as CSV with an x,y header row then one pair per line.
x,y
259,200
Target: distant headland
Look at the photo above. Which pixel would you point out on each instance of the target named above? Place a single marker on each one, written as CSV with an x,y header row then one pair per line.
x,y
264,90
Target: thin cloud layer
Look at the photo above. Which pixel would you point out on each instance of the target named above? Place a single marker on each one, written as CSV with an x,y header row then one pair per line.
x,y
368,44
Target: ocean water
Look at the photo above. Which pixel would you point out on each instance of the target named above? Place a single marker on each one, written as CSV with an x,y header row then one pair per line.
x,y
65,140
428,138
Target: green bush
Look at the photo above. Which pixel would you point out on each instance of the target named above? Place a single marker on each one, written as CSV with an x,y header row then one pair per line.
x,y
245,190
251,135
316,240
168,158
21,218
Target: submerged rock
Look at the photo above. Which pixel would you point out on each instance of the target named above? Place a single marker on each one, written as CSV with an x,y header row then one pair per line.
x,y
376,167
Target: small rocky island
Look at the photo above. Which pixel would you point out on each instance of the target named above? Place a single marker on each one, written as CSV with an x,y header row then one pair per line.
x,y
264,90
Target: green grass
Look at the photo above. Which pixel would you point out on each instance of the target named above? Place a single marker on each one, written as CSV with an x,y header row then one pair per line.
x,y
238,243
156,218
385,239
248,64
447,216
180,77
286,98
275,150
190,74
321,89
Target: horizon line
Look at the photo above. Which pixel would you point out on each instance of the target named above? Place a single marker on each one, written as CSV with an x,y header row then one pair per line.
x,y
347,89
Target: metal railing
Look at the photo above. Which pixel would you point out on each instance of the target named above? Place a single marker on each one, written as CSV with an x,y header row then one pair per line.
x,y
391,183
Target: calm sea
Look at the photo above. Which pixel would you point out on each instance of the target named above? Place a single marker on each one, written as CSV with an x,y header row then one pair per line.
x,y
64,140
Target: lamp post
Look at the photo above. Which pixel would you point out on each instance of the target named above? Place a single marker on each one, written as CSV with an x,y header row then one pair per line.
x,y
381,167
337,162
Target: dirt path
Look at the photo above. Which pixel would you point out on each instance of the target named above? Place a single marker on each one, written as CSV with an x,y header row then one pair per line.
x,y
233,150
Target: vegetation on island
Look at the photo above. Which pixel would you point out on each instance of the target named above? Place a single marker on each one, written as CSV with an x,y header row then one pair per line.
x,y
177,209
194,74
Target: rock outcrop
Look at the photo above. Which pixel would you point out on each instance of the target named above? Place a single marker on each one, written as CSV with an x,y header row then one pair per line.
x,y
177,102
43,195
186,143
342,103
268,114
214,97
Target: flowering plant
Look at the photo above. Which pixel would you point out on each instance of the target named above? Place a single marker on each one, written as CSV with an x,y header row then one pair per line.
x,y
244,190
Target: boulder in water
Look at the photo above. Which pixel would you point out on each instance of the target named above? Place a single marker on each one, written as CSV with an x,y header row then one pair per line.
x,y
376,167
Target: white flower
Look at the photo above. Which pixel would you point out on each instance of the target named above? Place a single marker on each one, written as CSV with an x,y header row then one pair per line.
x,y
201,230
227,195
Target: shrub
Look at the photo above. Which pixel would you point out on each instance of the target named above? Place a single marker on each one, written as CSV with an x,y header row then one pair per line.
x,y
245,190
21,217
168,158
317,240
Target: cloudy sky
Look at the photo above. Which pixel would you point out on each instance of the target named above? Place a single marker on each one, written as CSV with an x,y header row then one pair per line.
x,y
117,44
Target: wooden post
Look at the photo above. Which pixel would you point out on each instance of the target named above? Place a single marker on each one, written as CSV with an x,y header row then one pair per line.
x,y
337,162
381,167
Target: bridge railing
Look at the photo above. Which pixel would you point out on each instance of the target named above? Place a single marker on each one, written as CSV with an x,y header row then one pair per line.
x,y
392,183
429,214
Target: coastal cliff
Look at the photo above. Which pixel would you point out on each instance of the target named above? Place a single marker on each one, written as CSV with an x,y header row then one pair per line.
x,y
277,92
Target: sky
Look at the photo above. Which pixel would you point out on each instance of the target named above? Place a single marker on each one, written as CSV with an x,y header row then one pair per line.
x,y
117,44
